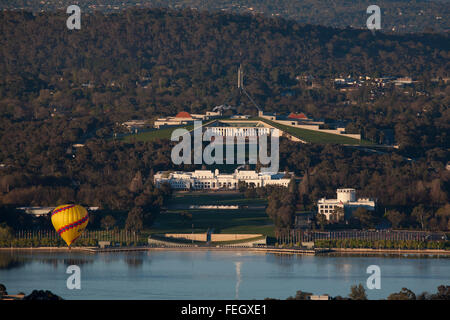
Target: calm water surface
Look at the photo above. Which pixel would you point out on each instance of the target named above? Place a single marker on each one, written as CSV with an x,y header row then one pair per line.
x,y
213,274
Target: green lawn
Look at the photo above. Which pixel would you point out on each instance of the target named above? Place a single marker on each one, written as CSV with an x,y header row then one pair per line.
x,y
193,198
164,133
244,220
316,136
222,221
303,134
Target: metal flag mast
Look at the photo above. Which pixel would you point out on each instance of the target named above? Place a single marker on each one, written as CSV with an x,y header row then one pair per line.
x,y
241,90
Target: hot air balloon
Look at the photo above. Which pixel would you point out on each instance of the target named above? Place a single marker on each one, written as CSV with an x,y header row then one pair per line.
x,y
69,221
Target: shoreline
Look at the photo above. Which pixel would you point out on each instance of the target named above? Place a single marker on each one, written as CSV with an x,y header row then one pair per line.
x,y
391,251
317,251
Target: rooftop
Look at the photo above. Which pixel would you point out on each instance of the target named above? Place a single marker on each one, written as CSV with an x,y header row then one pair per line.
x,y
183,114
300,115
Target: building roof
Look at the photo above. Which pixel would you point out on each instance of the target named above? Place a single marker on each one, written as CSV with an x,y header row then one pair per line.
x,y
183,114
300,115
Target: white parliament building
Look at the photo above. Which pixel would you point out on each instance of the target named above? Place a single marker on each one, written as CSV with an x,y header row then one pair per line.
x,y
346,199
207,179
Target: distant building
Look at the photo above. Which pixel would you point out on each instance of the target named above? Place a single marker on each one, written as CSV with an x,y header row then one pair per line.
x,y
133,125
42,211
403,80
341,208
268,116
319,297
206,179
298,116
37,211
300,120
240,117
306,78
19,296
238,129
185,118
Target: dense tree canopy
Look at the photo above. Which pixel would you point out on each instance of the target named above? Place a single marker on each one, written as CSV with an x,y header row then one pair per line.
x,y
397,15
60,87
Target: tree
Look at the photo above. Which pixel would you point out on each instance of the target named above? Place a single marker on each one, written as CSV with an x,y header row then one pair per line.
x,y
338,214
321,220
357,292
300,295
281,208
135,220
42,295
242,186
250,192
3,290
5,232
395,218
443,214
136,184
404,294
443,293
108,222
364,217
421,215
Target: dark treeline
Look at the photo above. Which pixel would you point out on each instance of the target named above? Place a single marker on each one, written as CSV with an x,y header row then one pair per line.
x,y
357,292
397,16
117,176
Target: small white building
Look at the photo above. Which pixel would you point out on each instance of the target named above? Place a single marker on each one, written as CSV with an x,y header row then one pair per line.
x,y
206,179
240,117
319,297
346,199
43,211
37,211
133,124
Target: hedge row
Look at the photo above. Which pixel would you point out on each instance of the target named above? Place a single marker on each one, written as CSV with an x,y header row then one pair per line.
x,y
46,242
382,244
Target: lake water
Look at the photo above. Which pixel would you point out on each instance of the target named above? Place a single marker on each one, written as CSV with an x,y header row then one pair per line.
x,y
214,274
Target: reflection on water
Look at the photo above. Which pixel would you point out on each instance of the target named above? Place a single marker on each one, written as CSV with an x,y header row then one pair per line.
x,y
213,274
134,259
238,281
285,261
8,260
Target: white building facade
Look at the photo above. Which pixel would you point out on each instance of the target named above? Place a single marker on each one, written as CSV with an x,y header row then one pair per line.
x,y
346,200
239,131
206,179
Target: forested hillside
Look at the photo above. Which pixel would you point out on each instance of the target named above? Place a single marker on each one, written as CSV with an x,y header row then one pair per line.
x,y
145,64
397,15
59,87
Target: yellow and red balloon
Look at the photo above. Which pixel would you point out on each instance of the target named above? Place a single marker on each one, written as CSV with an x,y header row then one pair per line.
x,y
69,221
